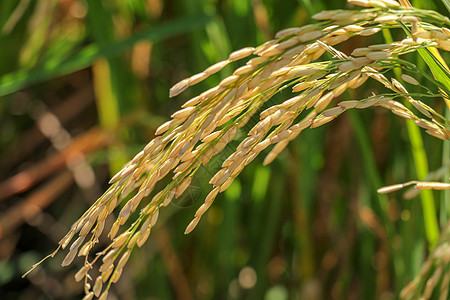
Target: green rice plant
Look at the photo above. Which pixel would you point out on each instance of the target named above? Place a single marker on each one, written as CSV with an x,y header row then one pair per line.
x,y
302,62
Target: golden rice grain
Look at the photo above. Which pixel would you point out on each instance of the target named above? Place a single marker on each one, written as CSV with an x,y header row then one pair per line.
x,y
216,67
229,80
378,55
202,209
390,3
240,54
257,60
239,168
368,103
386,19
361,51
390,188
143,238
226,184
98,286
380,47
323,15
106,266
348,104
69,258
287,44
369,31
446,31
287,32
438,35
439,133
330,28
421,107
334,40
275,151
360,62
302,125
364,3
308,36
409,79
164,127
342,15
120,240
426,124
279,137
179,88
123,260
409,19
244,69
403,113
433,185
347,66
331,112
321,120
357,82
84,250
296,51
303,85
281,71
191,225
182,187
109,257
261,146
270,51
103,296
444,44
313,97
323,102
193,80
88,296
106,273
82,272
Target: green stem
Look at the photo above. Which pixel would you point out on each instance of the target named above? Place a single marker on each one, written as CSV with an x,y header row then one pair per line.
x,y
427,199
421,164
445,206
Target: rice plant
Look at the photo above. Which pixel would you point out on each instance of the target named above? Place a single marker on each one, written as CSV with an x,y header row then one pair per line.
x,y
323,82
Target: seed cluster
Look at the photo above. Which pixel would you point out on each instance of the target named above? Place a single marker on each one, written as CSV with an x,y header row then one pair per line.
x,y
210,121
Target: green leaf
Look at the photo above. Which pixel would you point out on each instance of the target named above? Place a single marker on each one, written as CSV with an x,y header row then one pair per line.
x,y
15,81
447,4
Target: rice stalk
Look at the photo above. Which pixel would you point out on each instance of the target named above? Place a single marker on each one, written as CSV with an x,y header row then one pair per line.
x,y
206,124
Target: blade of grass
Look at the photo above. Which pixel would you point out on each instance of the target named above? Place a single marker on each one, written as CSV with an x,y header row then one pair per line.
x,y
445,205
13,82
108,82
447,4
38,27
108,111
419,154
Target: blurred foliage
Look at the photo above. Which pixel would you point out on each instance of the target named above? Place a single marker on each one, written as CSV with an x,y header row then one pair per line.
x,y
84,84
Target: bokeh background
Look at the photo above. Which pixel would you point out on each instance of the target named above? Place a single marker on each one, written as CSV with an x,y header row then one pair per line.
x,y
83,86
